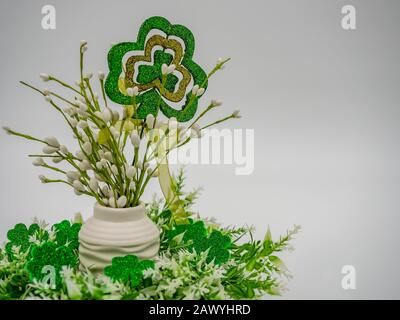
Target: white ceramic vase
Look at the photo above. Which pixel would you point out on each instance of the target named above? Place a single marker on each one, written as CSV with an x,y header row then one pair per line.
x,y
114,232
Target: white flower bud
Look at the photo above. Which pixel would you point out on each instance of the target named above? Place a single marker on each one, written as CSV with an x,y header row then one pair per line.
x,y
73,122
200,92
99,165
84,165
139,164
42,179
132,92
105,190
164,68
101,153
87,148
57,159
78,185
106,115
150,121
101,75
64,149
93,184
45,77
108,156
132,185
46,92
236,114
82,124
49,149
52,141
121,202
73,175
88,76
111,202
135,139
80,155
216,103
83,43
105,201
130,172
77,192
114,169
195,89
38,162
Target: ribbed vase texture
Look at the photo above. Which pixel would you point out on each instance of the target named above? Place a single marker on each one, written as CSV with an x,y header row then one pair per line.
x,y
114,232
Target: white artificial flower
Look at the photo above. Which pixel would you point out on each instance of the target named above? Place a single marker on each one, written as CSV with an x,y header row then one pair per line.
x,y
82,124
52,141
57,159
83,43
93,184
99,165
150,120
78,185
80,155
195,89
73,122
106,115
114,169
49,149
64,149
47,98
130,172
111,202
132,92
88,76
236,114
45,77
121,202
42,178
84,165
108,156
200,92
105,201
73,175
38,162
105,190
135,139
216,103
82,105
87,147
101,75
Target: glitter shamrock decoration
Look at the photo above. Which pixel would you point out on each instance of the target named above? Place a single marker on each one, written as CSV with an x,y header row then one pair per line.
x,y
157,83
48,256
195,233
23,238
67,234
128,269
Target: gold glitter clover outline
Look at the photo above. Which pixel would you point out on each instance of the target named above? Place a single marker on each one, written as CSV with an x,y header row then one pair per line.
x,y
158,40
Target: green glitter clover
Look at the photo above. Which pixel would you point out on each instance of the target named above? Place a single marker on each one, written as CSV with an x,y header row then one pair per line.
x,y
128,269
195,233
150,98
50,255
67,234
20,235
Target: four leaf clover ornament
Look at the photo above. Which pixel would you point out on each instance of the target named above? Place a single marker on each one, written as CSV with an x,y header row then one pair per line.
x,y
170,93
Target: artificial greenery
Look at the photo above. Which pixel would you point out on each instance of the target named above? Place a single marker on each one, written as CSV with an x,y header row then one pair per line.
x,y
198,259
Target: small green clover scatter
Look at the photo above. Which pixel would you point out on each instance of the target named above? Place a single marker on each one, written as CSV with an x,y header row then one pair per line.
x,y
50,255
196,234
20,235
128,269
67,234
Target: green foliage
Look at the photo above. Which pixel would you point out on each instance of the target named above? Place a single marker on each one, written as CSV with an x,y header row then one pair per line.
x,y
21,237
49,254
128,269
197,260
67,234
195,237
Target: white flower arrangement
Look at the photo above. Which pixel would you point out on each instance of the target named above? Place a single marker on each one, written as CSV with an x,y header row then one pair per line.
x,y
105,166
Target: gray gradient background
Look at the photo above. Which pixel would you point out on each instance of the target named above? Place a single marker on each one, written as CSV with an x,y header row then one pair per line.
x,y
324,104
